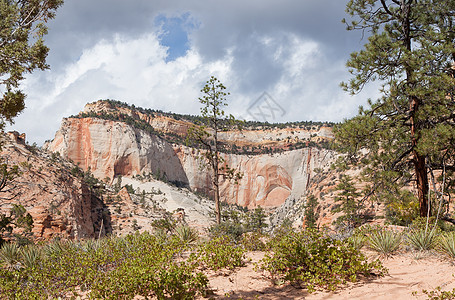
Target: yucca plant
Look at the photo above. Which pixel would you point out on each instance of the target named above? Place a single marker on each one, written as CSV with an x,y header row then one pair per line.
x,y
56,248
421,239
186,234
30,256
357,241
383,241
446,244
9,256
91,245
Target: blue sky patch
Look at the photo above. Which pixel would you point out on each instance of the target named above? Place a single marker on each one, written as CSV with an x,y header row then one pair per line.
x,y
174,33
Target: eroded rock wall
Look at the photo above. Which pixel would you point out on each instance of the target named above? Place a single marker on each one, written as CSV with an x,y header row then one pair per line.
x,y
111,148
59,203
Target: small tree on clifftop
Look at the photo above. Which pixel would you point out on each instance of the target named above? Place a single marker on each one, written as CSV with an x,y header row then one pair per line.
x,y
205,137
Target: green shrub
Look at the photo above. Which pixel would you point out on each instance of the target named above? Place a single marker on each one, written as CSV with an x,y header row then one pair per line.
x,y
149,269
219,253
316,261
438,294
112,268
446,244
186,234
233,230
253,241
384,241
421,239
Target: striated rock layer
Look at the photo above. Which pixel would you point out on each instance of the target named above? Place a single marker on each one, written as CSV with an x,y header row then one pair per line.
x,y
112,148
59,203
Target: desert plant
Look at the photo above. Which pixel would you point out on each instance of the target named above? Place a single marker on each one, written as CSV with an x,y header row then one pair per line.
x,y
421,239
219,253
30,256
357,241
146,266
439,294
186,234
116,268
167,223
315,260
9,256
91,245
253,241
446,244
233,230
55,248
384,241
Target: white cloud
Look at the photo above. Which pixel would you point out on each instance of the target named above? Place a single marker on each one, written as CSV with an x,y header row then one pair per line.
x,y
130,70
294,68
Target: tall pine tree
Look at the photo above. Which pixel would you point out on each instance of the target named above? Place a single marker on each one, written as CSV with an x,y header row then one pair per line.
x,y
409,131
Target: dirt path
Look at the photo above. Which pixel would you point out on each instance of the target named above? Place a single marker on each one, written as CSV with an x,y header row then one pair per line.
x,y
408,273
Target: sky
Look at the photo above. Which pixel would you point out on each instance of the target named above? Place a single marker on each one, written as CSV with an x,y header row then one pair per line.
x,y
280,60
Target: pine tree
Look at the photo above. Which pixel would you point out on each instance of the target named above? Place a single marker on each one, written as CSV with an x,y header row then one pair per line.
x,y
204,136
22,49
350,205
409,131
311,215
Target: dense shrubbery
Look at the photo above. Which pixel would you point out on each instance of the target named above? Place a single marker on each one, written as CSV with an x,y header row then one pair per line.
x,y
171,263
111,268
316,261
219,253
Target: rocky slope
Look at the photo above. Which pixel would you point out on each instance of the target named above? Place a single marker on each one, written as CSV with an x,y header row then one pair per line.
x,y
66,202
106,139
60,203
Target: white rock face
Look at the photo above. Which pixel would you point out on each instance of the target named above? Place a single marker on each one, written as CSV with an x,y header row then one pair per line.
x,y
112,148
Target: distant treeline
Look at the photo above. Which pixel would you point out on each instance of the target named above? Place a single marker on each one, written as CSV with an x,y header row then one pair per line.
x,y
250,125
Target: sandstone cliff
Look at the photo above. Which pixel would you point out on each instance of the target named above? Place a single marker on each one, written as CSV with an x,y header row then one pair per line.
x,y
111,148
60,203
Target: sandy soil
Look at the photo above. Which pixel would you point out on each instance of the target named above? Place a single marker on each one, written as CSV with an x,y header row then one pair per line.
x,y
408,273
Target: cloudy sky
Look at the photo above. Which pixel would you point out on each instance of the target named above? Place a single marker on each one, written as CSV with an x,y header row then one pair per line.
x,y
288,56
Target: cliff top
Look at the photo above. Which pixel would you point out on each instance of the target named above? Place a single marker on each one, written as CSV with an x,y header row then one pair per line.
x,y
254,138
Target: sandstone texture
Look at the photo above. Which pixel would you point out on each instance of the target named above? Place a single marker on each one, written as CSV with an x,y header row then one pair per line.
x,y
111,148
59,203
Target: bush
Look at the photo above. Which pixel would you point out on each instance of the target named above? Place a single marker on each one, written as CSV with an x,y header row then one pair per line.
x,y
219,253
421,239
438,294
112,268
316,261
384,241
231,229
446,244
253,241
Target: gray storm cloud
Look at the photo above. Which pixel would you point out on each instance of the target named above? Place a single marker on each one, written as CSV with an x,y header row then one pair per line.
x,y
295,50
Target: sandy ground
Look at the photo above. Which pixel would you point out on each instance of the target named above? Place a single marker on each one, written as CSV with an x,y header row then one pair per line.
x,y
408,273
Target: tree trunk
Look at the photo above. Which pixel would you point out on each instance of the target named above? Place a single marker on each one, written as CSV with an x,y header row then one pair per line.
x,y
217,198
414,103
422,183
419,163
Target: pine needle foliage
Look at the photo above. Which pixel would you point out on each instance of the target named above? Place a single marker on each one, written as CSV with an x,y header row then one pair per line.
x,y
409,130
